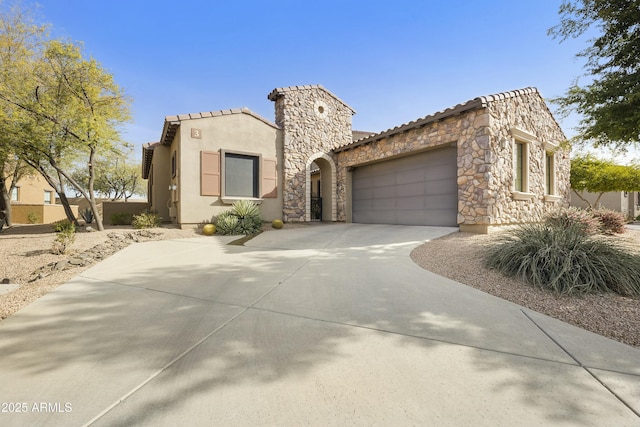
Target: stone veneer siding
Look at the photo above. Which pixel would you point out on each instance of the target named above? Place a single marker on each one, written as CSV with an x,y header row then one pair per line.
x,y
309,132
485,159
527,112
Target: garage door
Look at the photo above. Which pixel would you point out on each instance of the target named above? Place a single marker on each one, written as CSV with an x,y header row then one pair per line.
x,y
420,189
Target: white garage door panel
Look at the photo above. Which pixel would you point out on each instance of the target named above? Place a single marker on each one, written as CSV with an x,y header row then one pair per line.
x,y
417,190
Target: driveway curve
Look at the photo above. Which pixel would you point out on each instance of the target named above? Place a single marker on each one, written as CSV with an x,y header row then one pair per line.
x,y
328,324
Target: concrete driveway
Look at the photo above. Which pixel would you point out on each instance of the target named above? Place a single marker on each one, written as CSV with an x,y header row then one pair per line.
x,y
318,325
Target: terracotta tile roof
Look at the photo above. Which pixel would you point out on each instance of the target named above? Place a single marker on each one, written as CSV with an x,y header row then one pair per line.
x,y
171,123
480,102
280,91
359,134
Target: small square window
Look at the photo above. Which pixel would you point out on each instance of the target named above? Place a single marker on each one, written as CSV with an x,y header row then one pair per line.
x,y
241,175
47,197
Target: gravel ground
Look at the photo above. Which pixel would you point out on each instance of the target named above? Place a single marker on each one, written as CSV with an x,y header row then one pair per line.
x,y
458,256
23,249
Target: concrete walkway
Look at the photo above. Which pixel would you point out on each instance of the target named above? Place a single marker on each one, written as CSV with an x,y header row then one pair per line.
x,y
319,325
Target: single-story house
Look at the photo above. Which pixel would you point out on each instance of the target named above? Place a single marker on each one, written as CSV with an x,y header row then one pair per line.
x,y
491,161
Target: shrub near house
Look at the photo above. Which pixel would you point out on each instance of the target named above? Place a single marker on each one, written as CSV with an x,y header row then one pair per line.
x,y
566,255
243,218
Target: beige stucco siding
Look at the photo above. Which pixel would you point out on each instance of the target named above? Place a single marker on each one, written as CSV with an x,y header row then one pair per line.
x,y
160,179
31,190
240,133
30,205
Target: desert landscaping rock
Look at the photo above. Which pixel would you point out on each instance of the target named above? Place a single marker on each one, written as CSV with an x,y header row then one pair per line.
x,y
30,267
114,243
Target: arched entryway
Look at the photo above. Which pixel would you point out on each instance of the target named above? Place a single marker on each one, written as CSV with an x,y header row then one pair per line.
x,y
321,188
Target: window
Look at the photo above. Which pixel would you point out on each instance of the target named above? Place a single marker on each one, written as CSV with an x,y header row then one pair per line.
x,y
15,194
521,146
520,171
174,165
241,175
47,197
233,175
549,174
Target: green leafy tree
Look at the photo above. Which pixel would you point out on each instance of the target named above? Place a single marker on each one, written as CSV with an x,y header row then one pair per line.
x,y
117,177
19,37
610,104
601,176
67,107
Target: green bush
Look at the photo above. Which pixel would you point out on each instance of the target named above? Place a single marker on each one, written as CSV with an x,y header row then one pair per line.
x,y
147,219
33,218
566,260
66,236
243,218
64,225
121,218
574,217
611,222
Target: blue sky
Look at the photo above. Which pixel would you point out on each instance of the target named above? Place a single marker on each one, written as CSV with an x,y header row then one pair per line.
x,y
392,61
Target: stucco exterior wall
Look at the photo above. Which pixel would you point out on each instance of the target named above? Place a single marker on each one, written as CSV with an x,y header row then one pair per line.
x,y
31,190
43,214
110,208
30,204
627,203
159,181
313,122
236,132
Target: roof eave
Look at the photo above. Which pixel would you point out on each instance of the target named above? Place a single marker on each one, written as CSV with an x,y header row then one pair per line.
x,y
169,131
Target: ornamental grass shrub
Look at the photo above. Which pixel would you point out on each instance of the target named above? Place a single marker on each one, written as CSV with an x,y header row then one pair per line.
x,y
566,260
574,217
243,218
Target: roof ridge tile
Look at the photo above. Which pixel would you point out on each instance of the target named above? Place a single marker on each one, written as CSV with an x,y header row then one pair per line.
x,y
279,91
479,102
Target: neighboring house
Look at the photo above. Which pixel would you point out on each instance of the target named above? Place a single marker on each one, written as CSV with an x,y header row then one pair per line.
x,y
621,201
491,161
33,201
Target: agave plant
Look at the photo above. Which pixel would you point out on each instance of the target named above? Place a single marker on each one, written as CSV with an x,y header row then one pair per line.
x,y
87,215
243,218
